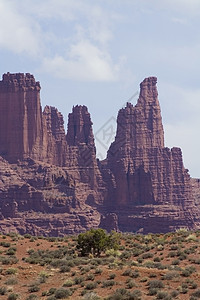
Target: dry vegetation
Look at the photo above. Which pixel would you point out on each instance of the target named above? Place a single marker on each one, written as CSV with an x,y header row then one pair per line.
x,y
154,266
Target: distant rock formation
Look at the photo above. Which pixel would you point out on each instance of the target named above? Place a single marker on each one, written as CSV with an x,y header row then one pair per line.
x,y
21,133
52,184
139,169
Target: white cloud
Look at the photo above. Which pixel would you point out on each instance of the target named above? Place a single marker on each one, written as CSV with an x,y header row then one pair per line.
x,y
87,36
85,62
17,33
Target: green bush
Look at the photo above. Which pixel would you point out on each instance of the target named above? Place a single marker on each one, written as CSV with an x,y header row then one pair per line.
x,y
96,241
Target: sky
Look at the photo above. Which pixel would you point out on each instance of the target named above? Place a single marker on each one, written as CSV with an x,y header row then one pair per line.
x,y
96,53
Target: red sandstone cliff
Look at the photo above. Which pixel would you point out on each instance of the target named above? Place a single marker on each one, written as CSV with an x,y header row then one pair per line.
x,y
141,169
20,116
51,184
143,177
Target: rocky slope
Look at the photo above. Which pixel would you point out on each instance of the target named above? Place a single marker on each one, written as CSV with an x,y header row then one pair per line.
x,y
52,184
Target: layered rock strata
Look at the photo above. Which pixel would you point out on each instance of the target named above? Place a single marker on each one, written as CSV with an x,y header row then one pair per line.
x,y
51,183
147,184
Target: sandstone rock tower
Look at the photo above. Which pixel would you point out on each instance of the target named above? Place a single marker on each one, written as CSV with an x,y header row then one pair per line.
x,y
141,174
141,185
143,170
21,125
81,147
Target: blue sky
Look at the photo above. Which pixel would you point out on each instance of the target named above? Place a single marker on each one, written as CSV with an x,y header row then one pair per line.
x,y
96,52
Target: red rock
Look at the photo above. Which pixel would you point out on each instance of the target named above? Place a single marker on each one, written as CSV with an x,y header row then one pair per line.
x,y
51,183
80,127
20,117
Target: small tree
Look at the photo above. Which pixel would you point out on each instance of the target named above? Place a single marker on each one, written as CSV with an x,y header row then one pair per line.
x,y
96,241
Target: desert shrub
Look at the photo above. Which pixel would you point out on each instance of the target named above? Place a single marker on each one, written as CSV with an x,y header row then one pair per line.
x,y
130,283
163,295
183,290
125,254
11,281
147,255
127,272
153,291
155,284
157,259
13,296
174,294
174,247
143,279
191,238
152,275
78,280
188,271
11,251
196,293
11,271
51,292
112,276
62,293
172,254
175,262
43,277
91,286
108,283
8,260
98,271
90,276
91,296
27,236
68,283
170,275
32,297
34,288
5,244
123,294
3,290
65,269
112,252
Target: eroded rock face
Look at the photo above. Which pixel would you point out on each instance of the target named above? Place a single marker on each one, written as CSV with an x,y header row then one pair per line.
x,y
54,140
21,133
51,184
148,186
139,169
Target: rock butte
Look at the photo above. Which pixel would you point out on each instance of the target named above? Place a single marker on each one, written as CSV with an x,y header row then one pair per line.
x,y
52,184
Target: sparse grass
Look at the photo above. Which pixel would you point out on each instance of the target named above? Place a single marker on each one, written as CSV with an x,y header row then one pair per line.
x,y
154,266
